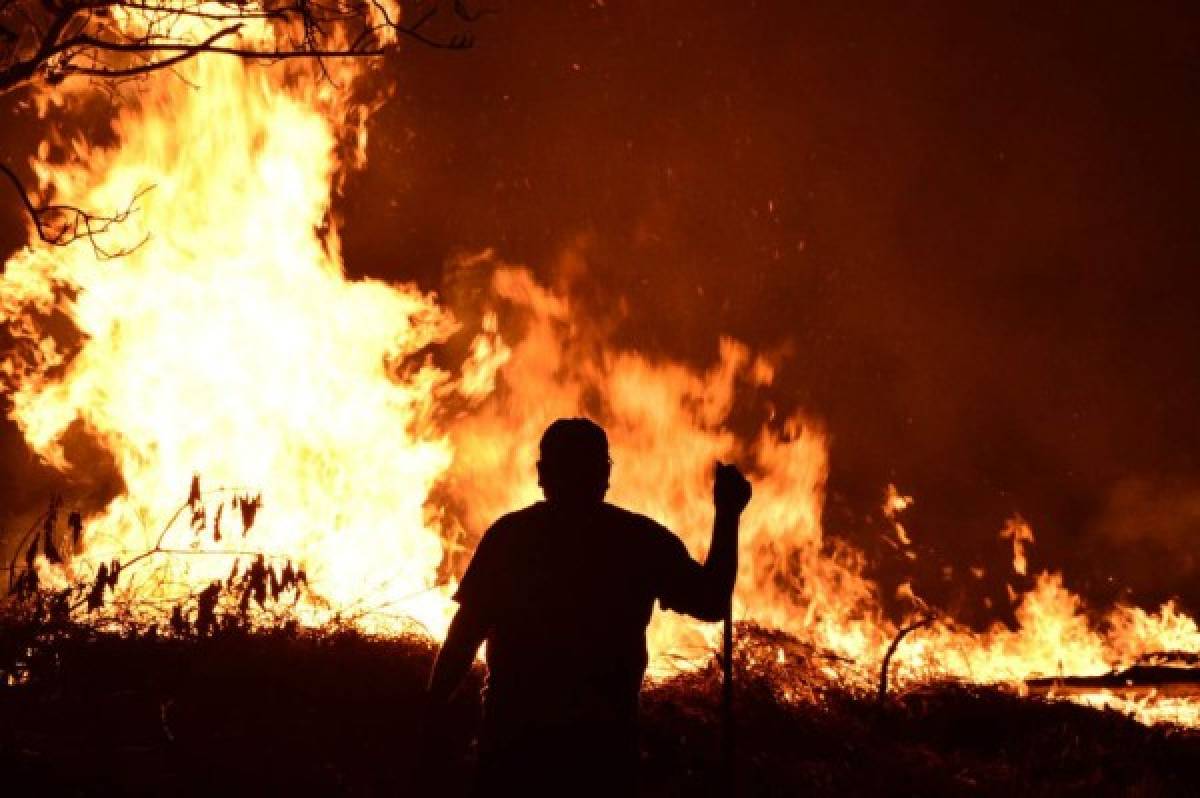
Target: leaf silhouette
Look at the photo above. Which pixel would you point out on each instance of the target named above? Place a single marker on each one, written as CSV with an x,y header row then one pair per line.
x,y
179,624
257,581
249,508
51,550
75,524
206,617
95,599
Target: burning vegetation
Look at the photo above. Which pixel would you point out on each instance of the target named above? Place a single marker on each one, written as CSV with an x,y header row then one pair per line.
x,y
334,712
311,457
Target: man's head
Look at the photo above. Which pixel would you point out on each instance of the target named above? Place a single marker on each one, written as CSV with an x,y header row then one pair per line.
x,y
574,464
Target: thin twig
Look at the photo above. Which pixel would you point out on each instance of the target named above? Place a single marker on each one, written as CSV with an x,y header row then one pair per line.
x,y
903,632
54,40
76,222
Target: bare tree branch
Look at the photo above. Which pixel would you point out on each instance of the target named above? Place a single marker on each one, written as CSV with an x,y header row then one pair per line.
x,y
59,225
182,53
51,41
74,37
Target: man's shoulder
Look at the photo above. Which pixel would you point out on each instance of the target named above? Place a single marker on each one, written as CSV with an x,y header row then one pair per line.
x,y
517,520
637,522
507,534
655,543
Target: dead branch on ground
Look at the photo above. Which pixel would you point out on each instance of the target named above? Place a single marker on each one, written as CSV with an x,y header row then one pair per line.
x,y
903,632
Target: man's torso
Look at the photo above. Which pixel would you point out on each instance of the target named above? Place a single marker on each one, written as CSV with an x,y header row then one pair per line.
x,y
569,593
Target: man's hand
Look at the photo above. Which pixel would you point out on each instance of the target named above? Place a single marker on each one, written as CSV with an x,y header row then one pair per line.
x,y
731,490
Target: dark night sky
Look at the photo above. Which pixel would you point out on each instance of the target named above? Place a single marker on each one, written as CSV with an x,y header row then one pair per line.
x,y
975,227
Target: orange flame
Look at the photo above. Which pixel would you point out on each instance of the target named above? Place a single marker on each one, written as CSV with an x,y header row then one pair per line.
x,y
230,344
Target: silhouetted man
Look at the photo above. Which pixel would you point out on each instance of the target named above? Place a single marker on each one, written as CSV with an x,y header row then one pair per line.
x,y
562,592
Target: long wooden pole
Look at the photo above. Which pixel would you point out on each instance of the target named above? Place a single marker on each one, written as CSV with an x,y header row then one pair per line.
x,y
728,732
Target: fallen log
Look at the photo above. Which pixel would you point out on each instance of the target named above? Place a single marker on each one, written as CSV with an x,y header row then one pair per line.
x,y
1132,682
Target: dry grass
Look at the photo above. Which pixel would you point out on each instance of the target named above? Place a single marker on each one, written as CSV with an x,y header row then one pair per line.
x,y
336,713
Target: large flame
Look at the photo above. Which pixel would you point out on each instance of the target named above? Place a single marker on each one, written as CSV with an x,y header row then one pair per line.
x,y
230,345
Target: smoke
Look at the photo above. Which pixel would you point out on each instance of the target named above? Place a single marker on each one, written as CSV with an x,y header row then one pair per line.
x,y
1152,527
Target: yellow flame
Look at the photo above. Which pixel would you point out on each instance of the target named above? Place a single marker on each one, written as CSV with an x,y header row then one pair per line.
x,y
231,345
1020,533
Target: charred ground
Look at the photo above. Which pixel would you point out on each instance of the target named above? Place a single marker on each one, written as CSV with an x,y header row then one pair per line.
x,y
333,712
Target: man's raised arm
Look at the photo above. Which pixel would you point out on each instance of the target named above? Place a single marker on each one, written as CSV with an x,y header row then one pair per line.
x,y
704,591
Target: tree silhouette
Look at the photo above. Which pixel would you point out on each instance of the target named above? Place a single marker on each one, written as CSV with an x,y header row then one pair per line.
x,y
49,41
